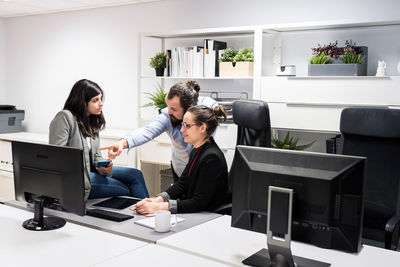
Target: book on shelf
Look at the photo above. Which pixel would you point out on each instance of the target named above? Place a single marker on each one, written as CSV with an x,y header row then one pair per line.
x,y
186,61
169,61
211,57
193,61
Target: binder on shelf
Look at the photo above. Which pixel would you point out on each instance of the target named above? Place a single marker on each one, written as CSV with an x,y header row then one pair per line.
x,y
198,61
169,62
211,57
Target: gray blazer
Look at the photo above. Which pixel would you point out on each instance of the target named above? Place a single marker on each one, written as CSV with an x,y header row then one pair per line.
x,y
64,131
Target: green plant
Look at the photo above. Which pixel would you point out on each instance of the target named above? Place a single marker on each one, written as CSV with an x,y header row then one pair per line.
x,y
228,55
350,54
244,54
157,98
289,143
320,58
349,57
159,60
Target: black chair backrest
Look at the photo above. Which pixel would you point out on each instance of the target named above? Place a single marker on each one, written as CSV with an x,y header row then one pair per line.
x,y
252,119
375,133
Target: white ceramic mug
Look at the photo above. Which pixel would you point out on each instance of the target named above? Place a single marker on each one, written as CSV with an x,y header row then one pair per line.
x,y
164,221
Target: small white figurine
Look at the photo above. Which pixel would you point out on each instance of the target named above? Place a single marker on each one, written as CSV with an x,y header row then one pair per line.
x,y
380,71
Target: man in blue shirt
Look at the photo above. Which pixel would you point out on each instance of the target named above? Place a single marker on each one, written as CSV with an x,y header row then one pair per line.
x,y
180,97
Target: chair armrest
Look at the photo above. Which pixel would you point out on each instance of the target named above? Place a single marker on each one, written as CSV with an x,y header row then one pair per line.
x,y
391,225
225,209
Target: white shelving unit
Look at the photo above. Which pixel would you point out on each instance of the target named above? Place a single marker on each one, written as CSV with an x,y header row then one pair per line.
x,y
283,44
304,104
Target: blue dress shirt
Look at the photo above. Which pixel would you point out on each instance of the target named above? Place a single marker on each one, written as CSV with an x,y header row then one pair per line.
x,y
162,123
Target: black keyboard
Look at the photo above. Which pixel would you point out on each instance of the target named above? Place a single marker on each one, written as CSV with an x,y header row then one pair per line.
x,y
108,215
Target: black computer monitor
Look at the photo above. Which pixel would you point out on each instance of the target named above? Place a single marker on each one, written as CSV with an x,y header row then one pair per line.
x,y
327,194
48,176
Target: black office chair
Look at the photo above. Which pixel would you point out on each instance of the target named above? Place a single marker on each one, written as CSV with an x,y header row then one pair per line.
x,y
252,119
375,133
254,129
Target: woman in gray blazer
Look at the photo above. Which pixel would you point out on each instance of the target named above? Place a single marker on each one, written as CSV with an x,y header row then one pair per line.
x,y
78,125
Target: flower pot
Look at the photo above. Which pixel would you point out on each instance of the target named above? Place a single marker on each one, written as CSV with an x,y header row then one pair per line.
x,y
159,71
337,68
240,69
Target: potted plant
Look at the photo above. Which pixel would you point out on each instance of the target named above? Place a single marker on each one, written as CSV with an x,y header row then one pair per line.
x,y
157,98
331,60
159,62
236,63
289,143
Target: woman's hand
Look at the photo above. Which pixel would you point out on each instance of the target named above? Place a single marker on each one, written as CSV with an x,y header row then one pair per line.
x,y
106,170
150,205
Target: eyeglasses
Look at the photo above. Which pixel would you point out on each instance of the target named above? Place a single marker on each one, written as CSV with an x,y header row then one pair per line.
x,y
187,125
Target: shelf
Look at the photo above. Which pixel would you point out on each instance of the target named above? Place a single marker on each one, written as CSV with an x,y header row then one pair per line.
x,y
197,78
271,28
324,25
211,32
337,77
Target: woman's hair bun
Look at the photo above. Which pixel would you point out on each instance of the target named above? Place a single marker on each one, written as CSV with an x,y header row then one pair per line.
x,y
193,84
220,113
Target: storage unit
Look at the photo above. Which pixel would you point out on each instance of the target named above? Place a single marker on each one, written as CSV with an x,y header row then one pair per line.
x,y
290,98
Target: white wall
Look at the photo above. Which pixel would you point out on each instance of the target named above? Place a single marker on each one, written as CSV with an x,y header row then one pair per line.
x,y
3,92
46,54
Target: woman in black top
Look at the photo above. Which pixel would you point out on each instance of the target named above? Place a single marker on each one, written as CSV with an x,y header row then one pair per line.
x,y
204,182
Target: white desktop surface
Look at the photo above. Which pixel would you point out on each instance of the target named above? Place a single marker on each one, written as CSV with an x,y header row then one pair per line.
x,y
126,228
71,245
154,255
219,241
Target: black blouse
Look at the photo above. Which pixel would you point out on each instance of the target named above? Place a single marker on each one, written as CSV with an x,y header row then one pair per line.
x,y
203,184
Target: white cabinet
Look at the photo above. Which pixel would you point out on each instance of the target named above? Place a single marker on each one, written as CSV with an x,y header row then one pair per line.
x,y
6,186
5,156
315,103
6,169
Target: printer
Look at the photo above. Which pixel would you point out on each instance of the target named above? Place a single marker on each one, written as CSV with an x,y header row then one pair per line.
x,y
11,119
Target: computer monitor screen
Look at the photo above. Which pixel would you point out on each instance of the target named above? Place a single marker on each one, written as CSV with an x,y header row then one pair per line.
x,y
327,194
48,176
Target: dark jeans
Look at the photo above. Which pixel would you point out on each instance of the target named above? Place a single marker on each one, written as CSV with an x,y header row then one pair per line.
x,y
124,182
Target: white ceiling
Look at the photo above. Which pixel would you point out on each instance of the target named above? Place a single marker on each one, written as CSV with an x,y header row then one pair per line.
x,y
16,8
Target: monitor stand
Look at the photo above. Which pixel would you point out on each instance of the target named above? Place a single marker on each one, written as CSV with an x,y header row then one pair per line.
x,y
279,234
40,223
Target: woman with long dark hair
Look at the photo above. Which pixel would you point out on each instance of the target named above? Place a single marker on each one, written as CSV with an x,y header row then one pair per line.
x,y
78,125
204,181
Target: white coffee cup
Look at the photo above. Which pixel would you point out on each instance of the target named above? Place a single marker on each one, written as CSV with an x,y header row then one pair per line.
x,y
164,221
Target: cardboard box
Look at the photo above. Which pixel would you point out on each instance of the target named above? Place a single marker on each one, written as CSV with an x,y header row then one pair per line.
x,y
241,69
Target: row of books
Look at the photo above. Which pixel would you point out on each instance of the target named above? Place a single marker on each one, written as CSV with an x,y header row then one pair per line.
x,y
195,61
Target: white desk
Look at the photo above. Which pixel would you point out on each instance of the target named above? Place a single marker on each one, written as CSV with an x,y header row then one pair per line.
x,y
71,245
126,228
154,255
219,241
